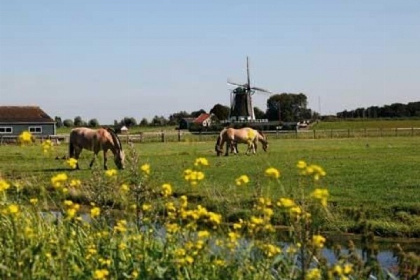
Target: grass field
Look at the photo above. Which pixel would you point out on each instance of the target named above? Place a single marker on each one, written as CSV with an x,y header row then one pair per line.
x,y
374,178
366,123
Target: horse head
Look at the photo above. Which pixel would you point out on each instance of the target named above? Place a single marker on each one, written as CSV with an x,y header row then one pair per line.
x,y
119,156
263,139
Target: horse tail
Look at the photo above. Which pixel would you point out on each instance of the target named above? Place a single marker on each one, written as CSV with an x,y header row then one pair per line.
x,y
218,147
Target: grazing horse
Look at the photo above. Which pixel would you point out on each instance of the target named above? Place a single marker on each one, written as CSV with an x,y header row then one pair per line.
x,y
245,135
96,140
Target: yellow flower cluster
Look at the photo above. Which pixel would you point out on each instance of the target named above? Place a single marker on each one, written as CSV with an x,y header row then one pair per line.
x,y
201,161
71,208
72,162
145,168
321,195
270,250
341,270
166,190
313,274
4,185
75,183
318,241
12,209
111,173
311,170
46,146
100,274
242,180
272,173
121,226
95,212
193,176
25,138
59,180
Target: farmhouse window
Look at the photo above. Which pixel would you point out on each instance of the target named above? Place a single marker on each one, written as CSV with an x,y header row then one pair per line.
x,y
35,129
5,129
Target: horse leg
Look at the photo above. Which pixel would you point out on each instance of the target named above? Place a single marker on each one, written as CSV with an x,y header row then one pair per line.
x,y
77,152
93,159
228,143
105,160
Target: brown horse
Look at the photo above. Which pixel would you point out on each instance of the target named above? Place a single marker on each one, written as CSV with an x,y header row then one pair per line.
x,y
96,140
244,135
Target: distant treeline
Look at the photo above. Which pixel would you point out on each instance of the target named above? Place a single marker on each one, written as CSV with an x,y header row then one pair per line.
x,y
395,110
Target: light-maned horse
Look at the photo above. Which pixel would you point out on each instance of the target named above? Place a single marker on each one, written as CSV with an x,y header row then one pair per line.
x,y
244,135
96,140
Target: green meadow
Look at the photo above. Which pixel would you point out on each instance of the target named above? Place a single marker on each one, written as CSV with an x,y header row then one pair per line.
x,y
374,179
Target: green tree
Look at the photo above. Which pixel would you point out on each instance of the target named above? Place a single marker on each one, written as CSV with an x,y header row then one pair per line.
x,y
93,123
259,114
58,122
195,114
287,107
68,123
220,111
79,122
144,122
175,118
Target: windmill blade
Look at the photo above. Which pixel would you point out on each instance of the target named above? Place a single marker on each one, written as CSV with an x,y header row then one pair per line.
x,y
247,73
238,85
262,90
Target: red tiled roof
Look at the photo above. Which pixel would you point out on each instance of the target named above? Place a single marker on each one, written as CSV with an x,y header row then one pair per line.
x,y
201,118
9,114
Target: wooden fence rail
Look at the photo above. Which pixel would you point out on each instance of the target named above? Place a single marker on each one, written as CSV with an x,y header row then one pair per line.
x,y
185,136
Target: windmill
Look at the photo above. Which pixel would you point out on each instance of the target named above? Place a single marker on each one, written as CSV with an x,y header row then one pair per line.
x,y
241,108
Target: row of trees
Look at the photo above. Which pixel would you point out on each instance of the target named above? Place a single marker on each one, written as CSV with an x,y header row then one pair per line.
x,y
280,107
395,110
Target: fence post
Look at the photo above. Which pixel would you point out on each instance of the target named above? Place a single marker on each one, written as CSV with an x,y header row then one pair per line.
x,y
314,133
163,136
179,135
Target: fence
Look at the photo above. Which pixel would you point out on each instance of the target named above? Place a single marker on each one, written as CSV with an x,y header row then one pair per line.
x,y
185,136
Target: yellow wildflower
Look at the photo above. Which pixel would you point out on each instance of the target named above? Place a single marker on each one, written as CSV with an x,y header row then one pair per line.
x,y
121,226
145,168
242,180
25,138
111,173
33,201
183,201
124,188
347,269
301,164
166,190
313,274
95,212
146,207
13,209
46,146
318,241
272,173
201,161
4,185
100,274
72,162
286,202
271,250
75,183
203,234
59,180
321,195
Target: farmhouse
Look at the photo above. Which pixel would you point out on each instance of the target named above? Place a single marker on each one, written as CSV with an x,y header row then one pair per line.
x,y
203,119
16,119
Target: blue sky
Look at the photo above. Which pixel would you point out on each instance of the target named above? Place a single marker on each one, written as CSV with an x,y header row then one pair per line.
x,y
113,59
